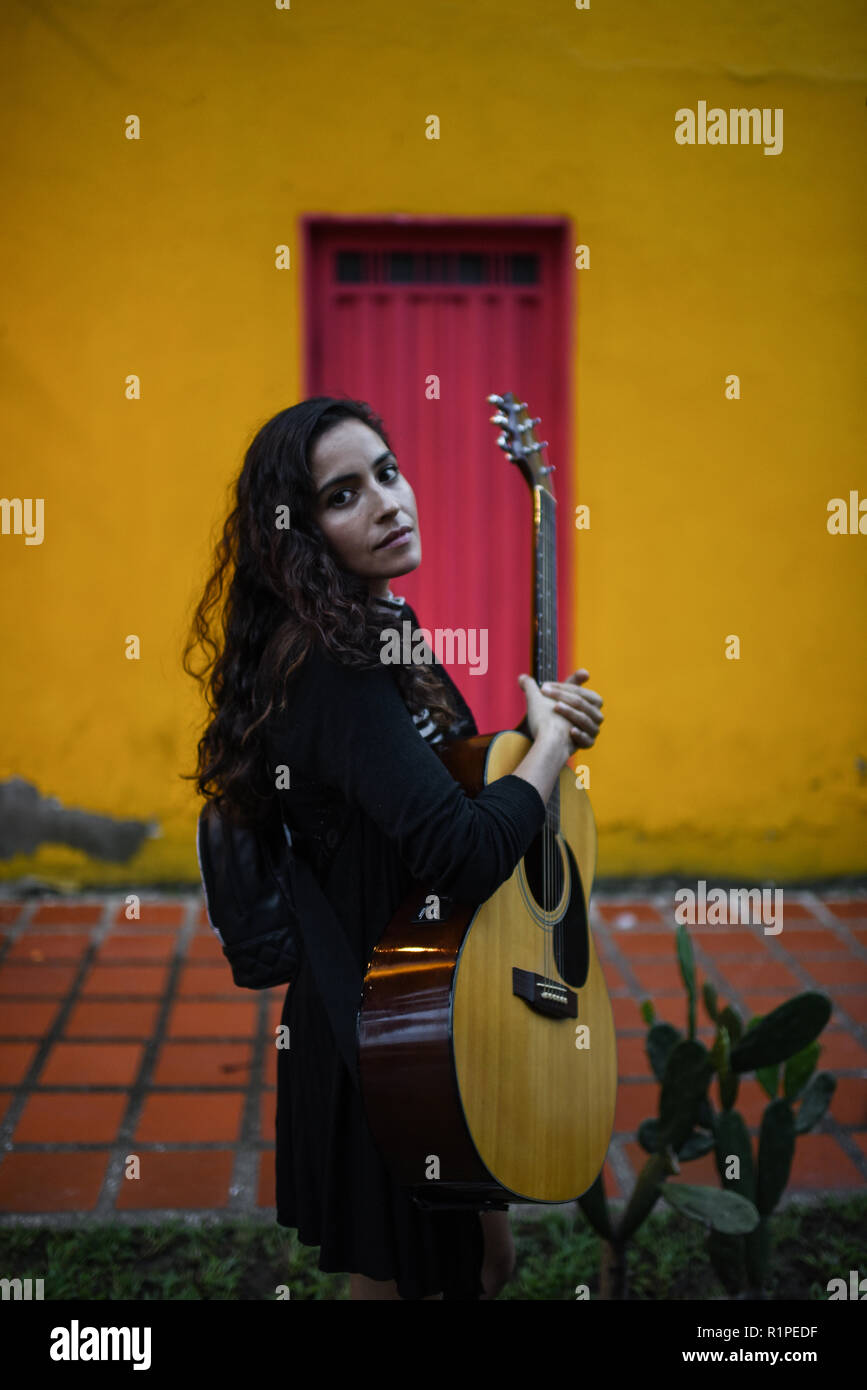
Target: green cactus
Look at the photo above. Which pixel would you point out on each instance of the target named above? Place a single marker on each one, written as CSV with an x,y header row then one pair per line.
x,y
782,1033
732,1140
799,1069
709,995
769,1080
684,1084
658,1044
695,1145
776,1151
726,1212
731,1020
645,1194
815,1101
686,961
595,1207
728,1082
757,1253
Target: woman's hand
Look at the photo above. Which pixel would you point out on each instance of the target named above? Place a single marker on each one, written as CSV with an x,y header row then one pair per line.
x,y
582,708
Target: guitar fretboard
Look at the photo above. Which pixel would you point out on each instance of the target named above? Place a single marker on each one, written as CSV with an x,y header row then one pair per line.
x,y
545,612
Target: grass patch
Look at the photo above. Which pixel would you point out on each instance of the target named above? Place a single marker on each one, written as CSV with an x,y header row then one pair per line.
x,y
243,1260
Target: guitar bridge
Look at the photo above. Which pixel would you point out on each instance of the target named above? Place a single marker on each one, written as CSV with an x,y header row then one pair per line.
x,y
543,995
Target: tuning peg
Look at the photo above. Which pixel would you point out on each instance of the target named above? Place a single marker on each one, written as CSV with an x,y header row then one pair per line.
x,y
499,419
548,468
494,400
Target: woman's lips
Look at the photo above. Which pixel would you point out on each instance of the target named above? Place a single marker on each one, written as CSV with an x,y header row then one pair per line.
x,y
398,540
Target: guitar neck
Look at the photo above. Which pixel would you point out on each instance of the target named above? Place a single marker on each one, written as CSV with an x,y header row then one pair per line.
x,y
544,623
543,655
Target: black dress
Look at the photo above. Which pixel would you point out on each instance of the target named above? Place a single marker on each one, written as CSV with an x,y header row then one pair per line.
x,y
358,759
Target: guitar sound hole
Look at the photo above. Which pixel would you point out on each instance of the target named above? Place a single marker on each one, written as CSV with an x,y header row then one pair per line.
x,y
544,870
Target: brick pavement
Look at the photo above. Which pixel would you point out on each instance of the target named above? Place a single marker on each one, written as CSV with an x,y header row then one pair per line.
x,y
122,1038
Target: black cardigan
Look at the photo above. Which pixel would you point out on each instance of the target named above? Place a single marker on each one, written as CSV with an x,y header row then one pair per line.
x,y
354,754
373,808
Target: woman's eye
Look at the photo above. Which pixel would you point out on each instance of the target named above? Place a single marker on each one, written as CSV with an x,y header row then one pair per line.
x,y
389,468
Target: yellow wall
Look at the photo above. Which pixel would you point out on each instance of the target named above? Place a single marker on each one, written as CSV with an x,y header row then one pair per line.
x,y
155,257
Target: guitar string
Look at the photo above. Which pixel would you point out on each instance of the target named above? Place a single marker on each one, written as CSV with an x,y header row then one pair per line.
x,y
546,676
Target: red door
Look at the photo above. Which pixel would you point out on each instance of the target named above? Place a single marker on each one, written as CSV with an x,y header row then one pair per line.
x,y
481,307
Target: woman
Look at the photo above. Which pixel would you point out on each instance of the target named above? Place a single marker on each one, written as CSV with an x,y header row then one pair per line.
x,y
309,723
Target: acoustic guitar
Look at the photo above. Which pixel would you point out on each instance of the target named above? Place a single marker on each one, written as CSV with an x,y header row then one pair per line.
x,y
487,1051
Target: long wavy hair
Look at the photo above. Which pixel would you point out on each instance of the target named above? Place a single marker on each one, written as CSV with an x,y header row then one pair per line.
x,y
284,591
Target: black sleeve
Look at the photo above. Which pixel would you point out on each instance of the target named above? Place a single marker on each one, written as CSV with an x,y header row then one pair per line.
x,y
352,730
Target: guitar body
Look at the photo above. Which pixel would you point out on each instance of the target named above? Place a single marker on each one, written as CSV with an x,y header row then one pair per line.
x,y
473,1094
487,1052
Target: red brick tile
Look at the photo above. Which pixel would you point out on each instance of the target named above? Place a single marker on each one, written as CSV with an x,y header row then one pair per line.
x,y
276,998
854,1004
204,1063
860,936
843,971
144,946
10,913
125,980
741,942
820,1162
35,979
178,1182
120,1020
661,978
861,1141
205,948
853,909
27,1020
49,946
849,1102
223,1020
612,976
202,917
266,1188
746,975
15,1060
34,1182
840,1049
74,914
196,1117
67,1117
626,1014
632,1058
204,978
794,911
153,914
636,1101
269,1067
822,939
90,1064
6,1098
268,1115
628,913
646,943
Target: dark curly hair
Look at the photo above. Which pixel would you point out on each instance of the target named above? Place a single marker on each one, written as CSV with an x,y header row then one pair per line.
x,y
287,591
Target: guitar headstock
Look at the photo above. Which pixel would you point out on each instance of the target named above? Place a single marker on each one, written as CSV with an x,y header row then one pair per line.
x,y
518,440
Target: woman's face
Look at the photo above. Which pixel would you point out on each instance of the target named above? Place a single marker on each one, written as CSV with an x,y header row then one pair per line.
x,y
360,498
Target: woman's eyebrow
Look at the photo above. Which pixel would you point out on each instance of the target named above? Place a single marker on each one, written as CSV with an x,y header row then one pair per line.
x,y
350,477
